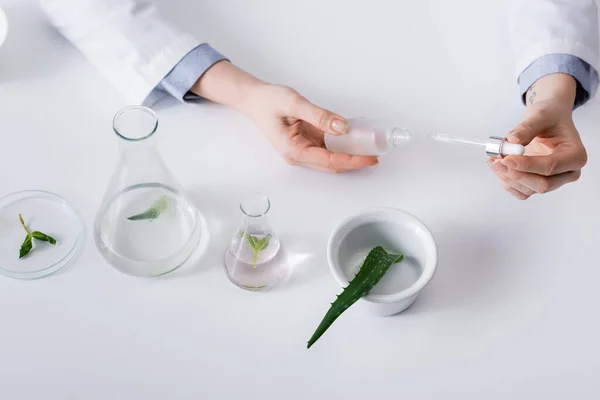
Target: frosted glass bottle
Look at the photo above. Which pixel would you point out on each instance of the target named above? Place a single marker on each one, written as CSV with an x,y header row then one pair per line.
x,y
367,138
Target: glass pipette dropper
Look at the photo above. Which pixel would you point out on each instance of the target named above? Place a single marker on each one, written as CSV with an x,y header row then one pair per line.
x,y
495,146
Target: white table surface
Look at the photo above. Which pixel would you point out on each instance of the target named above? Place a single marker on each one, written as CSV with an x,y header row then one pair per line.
x,y
512,312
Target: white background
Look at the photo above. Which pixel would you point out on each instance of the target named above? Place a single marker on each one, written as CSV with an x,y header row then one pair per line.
x,y
511,314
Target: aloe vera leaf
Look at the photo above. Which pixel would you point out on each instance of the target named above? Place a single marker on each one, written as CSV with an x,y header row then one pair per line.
x,y
155,210
376,264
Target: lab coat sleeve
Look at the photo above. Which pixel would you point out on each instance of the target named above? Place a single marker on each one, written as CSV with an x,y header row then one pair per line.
x,y
184,75
587,77
128,41
543,27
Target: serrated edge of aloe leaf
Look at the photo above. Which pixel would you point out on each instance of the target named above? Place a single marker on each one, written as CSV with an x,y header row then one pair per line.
x,y
369,274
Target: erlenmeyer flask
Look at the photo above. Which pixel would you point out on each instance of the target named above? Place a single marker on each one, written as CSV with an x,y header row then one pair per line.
x,y
146,225
253,259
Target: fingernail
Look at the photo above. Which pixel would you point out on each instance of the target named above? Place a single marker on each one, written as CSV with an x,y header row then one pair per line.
x,y
507,162
490,161
339,125
516,136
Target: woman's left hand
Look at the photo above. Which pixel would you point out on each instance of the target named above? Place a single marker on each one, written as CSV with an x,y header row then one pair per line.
x,y
294,126
554,152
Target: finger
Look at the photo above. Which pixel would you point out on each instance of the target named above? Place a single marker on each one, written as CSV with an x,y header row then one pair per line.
x,y
325,120
314,135
543,184
501,172
322,158
292,161
514,192
534,124
557,163
329,170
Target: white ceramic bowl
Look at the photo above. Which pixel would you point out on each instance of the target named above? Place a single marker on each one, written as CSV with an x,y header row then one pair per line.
x,y
397,231
3,26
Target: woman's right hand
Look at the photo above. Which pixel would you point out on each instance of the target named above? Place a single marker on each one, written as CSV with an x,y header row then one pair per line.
x,y
294,126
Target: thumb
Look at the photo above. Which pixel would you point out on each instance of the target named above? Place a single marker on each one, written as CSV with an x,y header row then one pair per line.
x,y
532,126
320,118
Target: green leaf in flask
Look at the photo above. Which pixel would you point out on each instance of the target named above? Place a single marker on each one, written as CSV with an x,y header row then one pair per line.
x,y
155,210
257,245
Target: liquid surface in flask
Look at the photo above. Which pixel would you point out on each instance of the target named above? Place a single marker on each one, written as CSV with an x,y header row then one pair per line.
x,y
241,267
148,239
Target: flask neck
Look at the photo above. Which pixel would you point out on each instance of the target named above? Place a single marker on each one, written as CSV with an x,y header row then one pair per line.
x,y
254,225
398,137
137,148
135,126
255,208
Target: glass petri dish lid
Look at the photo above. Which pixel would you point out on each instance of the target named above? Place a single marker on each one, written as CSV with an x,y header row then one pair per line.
x,y
3,26
44,212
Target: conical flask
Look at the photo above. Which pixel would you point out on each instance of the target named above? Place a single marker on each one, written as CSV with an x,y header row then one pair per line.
x,y
146,225
253,259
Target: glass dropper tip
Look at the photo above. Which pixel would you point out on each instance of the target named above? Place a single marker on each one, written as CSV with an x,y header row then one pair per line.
x,y
438,137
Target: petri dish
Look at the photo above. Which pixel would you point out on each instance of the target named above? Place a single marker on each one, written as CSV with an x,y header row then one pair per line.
x,y
45,212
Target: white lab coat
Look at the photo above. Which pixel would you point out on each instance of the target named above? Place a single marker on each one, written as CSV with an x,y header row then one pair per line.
x,y
541,27
134,47
128,41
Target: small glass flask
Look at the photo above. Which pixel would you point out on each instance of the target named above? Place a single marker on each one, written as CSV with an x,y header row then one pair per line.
x,y
367,137
146,225
253,260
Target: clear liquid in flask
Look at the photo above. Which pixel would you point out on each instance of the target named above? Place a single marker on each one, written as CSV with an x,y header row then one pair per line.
x,y
145,246
253,259
241,267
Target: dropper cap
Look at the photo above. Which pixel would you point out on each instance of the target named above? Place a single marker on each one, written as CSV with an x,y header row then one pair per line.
x,y
497,147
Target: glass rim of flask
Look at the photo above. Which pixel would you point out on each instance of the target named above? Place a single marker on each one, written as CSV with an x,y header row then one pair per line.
x,y
255,205
147,112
